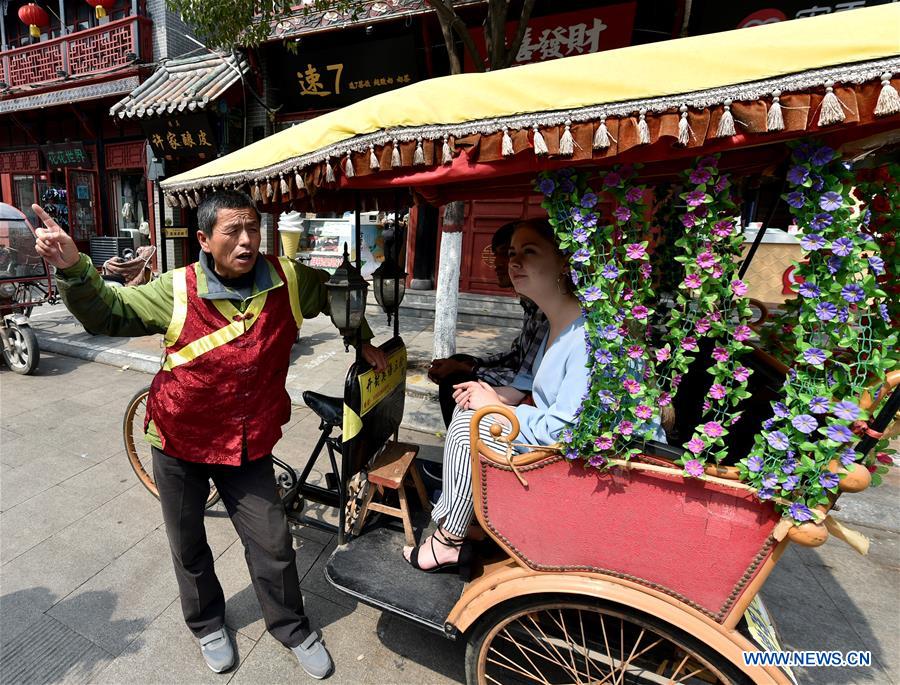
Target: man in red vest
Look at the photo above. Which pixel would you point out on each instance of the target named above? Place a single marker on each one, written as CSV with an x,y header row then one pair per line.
x,y
216,407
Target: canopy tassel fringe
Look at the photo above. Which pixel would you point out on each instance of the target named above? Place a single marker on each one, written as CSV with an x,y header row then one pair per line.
x,y
373,159
446,153
285,187
643,128
396,162
419,156
832,112
268,191
775,117
726,123
684,128
540,145
298,180
601,136
254,192
196,198
170,200
190,201
855,539
506,147
566,141
329,171
348,167
888,98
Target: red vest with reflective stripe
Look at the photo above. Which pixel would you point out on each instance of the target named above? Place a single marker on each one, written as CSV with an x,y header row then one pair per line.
x,y
204,409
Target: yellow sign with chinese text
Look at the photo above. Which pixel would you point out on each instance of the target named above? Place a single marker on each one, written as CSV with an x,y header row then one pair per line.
x,y
375,386
176,231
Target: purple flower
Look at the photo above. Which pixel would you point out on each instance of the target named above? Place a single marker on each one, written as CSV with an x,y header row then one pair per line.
x,y
612,179
754,464
800,512
790,483
625,427
688,220
635,251
588,200
765,493
877,265
592,294
795,199
789,466
810,290
604,443
635,351
853,293
822,156
717,391
702,326
812,242
663,354
646,269
706,259
699,176
848,456
834,264
804,423
831,201
842,247
723,229
883,310
696,445
603,356
780,410
693,281
607,399
821,221
843,315
692,466
581,256
742,333
622,213
838,433
778,440
580,235
713,429
597,461
818,405
576,215
817,182
610,271
768,424
566,185
634,194
632,386
829,480
814,356
720,354
770,480
797,175
664,399
826,311
739,288
546,186
721,184
639,312
589,220
741,374
642,411
848,411
611,332
689,343
695,198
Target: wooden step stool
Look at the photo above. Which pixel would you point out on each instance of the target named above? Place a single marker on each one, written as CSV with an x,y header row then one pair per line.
x,y
390,471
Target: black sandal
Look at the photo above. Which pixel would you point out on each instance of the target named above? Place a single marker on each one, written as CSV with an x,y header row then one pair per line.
x,y
463,564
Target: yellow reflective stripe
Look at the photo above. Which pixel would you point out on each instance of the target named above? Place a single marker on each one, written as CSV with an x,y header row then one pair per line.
x,y
352,424
220,337
179,306
287,265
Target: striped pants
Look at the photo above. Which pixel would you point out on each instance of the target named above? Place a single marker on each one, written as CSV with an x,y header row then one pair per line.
x,y
455,508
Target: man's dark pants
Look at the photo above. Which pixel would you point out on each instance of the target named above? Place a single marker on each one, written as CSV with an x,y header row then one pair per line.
x,y
248,492
445,387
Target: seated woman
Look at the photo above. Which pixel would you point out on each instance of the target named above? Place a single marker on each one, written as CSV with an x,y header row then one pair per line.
x,y
538,271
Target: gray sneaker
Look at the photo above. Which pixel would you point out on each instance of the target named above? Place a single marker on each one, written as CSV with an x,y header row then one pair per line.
x,y
313,657
217,650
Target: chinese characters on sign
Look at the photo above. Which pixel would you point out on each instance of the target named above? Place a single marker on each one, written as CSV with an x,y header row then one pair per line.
x,y
340,76
375,386
181,136
568,34
66,154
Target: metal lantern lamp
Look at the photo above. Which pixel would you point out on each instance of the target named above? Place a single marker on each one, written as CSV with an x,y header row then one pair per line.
x,y
347,298
389,283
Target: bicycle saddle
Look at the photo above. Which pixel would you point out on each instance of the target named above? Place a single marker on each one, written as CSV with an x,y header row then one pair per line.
x,y
329,409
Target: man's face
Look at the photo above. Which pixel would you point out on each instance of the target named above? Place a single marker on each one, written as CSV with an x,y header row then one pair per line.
x,y
234,243
501,265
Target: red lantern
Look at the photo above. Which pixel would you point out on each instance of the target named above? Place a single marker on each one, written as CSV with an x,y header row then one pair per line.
x,y
101,6
35,17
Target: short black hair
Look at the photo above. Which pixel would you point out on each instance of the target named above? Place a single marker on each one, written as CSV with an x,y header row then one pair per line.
x,y
208,210
503,235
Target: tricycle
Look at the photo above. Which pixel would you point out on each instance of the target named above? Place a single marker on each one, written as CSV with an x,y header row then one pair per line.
x,y
611,557
25,282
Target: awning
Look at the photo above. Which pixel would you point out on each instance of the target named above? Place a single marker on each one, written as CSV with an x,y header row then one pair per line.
x,y
65,96
686,95
190,83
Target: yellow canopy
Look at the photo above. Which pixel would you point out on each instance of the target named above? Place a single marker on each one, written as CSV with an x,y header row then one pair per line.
x,y
702,71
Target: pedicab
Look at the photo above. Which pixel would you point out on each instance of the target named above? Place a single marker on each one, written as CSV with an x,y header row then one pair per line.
x,y
617,558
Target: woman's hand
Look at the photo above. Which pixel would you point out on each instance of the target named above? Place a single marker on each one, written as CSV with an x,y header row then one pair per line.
x,y
475,395
374,356
53,243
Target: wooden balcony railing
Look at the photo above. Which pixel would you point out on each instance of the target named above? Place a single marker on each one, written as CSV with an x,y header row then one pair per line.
x,y
93,51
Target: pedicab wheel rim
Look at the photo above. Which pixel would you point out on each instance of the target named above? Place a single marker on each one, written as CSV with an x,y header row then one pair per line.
x,y
562,642
138,450
23,356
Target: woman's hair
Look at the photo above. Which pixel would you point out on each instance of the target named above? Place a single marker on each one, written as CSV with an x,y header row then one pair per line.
x,y
543,228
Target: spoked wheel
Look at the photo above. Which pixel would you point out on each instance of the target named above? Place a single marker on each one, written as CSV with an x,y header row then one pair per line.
x,y
23,354
562,641
138,450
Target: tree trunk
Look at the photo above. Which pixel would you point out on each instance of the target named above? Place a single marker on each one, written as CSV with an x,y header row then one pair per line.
x,y
446,301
